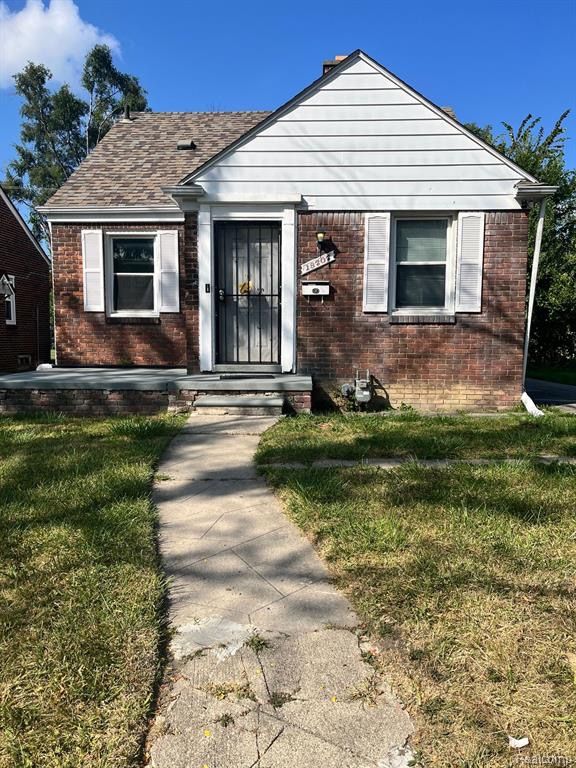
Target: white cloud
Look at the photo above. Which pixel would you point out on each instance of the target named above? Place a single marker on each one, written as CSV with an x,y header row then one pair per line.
x,y
52,34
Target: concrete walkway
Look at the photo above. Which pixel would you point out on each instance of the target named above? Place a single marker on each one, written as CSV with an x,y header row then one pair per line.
x,y
268,669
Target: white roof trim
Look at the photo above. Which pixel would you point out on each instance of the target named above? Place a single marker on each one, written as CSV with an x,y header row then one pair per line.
x,y
528,191
102,214
189,197
23,224
320,83
289,198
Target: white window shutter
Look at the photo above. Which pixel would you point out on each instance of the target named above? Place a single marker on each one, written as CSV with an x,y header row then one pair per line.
x,y
169,273
93,265
469,262
376,262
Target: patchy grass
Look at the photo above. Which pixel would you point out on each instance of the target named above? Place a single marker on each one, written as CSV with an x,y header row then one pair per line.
x,y
515,435
80,589
279,698
238,689
257,643
549,373
225,720
467,574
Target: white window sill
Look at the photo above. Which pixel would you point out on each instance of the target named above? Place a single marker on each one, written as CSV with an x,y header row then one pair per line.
x,y
423,311
115,315
133,319
423,318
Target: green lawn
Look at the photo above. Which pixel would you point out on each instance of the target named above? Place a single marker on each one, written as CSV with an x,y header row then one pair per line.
x,y
466,574
80,589
561,375
352,436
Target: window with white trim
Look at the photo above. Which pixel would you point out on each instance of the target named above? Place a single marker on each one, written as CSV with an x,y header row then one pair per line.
x,y
10,303
132,275
422,260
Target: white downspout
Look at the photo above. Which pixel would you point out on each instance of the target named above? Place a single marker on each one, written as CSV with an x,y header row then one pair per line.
x,y
527,401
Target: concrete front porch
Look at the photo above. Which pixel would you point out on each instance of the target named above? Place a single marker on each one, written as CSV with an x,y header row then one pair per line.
x,y
103,391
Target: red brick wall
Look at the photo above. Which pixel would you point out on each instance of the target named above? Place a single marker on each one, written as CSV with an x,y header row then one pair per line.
x,y
475,363
19,257
83,402
92,338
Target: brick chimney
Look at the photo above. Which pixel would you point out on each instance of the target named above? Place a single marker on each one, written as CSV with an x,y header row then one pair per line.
x,y
331,63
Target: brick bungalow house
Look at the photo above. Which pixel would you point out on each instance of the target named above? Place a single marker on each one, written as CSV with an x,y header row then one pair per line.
x,y
359,226
25,304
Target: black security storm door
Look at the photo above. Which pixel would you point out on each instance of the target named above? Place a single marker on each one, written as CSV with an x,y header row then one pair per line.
x,y
247,295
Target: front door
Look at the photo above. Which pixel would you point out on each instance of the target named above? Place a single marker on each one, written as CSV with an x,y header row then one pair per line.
x,y
247,297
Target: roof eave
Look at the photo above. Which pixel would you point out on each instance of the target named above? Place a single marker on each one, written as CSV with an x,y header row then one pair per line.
x,y
24,226
103,213
177,190
527,191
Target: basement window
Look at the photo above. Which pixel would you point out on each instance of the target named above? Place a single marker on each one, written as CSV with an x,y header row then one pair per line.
x,y
10,304
132,276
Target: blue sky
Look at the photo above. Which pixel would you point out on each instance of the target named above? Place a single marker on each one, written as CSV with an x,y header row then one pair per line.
x,y
490,61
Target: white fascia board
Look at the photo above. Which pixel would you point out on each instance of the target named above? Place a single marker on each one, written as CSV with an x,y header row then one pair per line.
x,y
25,227
186,198
290,198
189,197
100,215
525,191
191,190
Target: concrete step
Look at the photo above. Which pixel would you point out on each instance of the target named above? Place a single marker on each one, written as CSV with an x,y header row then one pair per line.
x,y
248,405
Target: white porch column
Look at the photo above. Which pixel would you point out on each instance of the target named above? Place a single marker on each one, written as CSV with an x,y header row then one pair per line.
x,y
288,335
205,303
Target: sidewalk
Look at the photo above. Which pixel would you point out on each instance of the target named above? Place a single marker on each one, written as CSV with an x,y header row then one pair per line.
x,y
267,665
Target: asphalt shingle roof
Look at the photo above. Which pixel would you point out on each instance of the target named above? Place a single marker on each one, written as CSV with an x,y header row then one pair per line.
x,y
136,159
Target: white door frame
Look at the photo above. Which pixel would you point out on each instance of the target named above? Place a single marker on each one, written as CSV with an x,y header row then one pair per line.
x,y
207,215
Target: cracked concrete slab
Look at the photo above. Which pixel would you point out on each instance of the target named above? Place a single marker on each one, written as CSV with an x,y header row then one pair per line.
x,y
224,581
183,611
209,632
267,669
316,666
367,731
297,747
311,608
283,559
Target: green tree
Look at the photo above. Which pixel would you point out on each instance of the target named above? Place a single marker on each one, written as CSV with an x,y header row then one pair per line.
x,y
542,155
59,128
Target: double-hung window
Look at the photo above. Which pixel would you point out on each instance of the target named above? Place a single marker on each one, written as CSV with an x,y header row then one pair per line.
x,y
421,264
10,303
132,276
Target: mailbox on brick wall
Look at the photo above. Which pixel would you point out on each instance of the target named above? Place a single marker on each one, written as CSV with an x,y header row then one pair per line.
x,y
315,287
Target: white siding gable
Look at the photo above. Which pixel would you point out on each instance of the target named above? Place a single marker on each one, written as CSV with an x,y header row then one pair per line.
x,y
362,140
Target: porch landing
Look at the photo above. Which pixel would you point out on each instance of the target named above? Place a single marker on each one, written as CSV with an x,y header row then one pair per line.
x,y
101,391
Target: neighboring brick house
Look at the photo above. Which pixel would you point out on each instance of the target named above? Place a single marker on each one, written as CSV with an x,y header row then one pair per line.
x,y
25,312
189,239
